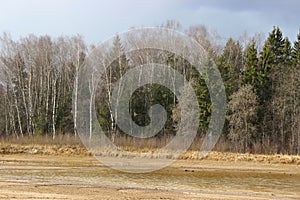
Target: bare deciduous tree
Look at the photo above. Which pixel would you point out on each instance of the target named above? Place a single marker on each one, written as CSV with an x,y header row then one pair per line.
x,y
242,113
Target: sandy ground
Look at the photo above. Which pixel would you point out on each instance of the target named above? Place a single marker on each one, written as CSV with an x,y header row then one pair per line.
x,y
18,188
29,191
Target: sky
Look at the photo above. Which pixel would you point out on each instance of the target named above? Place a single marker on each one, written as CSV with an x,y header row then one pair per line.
x,y
98,20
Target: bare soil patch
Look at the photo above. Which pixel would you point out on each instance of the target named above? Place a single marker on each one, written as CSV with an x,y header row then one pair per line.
x,y
17,187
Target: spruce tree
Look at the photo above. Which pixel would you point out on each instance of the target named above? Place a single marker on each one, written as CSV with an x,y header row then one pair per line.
x,y
294,87
276,45
287,53
296,52
270,62
251,74
230,64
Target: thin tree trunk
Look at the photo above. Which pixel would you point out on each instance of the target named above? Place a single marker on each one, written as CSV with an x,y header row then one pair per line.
x,y
53,109
92,94
18,115
30,131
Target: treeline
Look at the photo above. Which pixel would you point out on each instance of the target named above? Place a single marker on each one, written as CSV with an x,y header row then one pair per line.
x,y
263,91
37,81
39,78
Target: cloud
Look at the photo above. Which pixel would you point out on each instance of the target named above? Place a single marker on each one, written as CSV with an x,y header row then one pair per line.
x,y
234,17
285,7
97,20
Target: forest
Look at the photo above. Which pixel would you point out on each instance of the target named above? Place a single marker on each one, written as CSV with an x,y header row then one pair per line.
x,y
39,82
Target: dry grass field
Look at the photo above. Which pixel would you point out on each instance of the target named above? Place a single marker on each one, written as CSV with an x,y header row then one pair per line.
x,y
65,169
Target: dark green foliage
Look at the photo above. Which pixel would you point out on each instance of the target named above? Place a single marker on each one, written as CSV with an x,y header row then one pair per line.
x,y
64,120
296,52
252,74
148,95
230,65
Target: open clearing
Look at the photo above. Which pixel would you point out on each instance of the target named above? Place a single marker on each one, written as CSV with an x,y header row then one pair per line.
x,y
33,176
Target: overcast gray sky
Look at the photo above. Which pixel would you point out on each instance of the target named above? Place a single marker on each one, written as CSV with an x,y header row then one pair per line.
x,y
97,20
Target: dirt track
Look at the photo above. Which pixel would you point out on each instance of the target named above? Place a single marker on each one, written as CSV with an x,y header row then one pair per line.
x,y
74,177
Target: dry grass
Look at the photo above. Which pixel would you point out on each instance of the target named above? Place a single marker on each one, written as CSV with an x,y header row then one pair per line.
x,y
66,139
147,153
63,144
43,149
69,145
276,158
